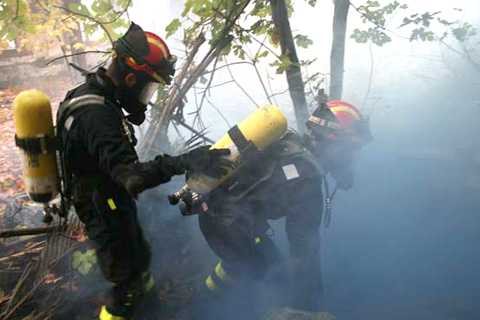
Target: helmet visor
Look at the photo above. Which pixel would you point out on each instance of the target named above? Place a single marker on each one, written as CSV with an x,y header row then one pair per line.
x,y
147,92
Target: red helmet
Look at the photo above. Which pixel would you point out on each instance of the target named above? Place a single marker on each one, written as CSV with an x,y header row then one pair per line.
x,y
147,53
339,120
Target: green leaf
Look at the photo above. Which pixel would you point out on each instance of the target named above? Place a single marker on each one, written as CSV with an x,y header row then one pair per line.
x,y
188,6
422,34
203,80
12,34
226,50
6,13
260,55
79,8
84,261
172,27
89,29
282,64
239,52
302,41
101,7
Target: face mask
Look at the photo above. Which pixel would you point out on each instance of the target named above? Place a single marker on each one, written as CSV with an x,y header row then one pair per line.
x,y
135,100
147,92
136,118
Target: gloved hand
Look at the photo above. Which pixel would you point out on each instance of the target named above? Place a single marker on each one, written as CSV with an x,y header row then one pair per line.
x,y
209,162
135,185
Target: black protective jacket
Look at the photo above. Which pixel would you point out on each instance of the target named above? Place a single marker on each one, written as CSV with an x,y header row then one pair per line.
x,y
283,181
286,181
98,141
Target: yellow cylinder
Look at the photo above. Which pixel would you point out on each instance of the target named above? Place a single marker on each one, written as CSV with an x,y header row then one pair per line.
x,y
32,113
263,127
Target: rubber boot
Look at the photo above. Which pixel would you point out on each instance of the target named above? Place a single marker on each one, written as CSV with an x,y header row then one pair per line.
x,y
120,306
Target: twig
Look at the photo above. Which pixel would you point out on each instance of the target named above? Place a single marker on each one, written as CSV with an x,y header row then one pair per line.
x,y
29,232
24,298
279,93
228,64
261,82
370,75
241,88
19,284
183,124
207,88
215,86
220,113
21,254
75,54
271,90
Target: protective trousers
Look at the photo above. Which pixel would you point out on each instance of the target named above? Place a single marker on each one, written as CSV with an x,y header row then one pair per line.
x,y
110,218
245,250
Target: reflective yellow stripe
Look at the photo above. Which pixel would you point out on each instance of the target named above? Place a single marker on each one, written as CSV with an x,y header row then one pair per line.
x,y
222,274
211,285
150,283
344,109
111,204
258,240
105,315
159,46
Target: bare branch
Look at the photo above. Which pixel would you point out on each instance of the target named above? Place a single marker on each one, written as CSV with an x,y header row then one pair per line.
x,y
219,112
241,88
279,93
369,77
215,86
75,54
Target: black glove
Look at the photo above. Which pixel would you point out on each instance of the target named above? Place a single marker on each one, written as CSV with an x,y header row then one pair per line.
x,y
209,162
135,185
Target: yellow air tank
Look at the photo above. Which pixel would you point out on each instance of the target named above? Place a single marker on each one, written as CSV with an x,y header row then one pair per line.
x,y
32,113
263,127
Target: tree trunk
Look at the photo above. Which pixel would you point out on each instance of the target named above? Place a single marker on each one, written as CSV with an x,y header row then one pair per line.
x,y
294,75
338,48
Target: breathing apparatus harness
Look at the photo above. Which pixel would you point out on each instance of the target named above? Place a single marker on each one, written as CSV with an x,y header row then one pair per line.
x,y
67,113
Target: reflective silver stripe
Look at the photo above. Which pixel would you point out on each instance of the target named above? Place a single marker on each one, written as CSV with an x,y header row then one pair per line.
x,y
68,123
85,100
79,102
324,123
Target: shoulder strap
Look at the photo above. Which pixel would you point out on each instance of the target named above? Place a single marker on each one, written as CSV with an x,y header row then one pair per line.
x,y
291,146
68,107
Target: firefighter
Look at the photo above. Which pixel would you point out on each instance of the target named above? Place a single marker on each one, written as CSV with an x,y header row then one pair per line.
x,y
285,180
101,168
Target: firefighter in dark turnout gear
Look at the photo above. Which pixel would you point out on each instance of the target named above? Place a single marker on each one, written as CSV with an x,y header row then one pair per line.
x,y
285,180
101,168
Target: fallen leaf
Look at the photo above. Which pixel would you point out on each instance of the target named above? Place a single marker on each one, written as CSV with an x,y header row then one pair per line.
x,y
69,286
51,279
